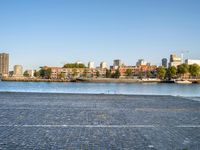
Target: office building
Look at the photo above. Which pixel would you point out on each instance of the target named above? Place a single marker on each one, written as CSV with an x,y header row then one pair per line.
x,y
175,60
18,71
91,65
103,65
141,62
4,64
117,63
164,62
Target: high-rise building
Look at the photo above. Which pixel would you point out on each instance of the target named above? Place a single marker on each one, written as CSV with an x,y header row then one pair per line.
x,y
141,62
91,65
175,60
164,62
18,71
103,65
117,63
4,64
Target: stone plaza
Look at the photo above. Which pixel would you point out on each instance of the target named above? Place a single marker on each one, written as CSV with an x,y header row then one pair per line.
x,y
98,122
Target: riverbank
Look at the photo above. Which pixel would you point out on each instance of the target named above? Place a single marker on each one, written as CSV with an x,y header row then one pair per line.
x,y
95,80
123,80
98,121
107,80
87,80
33,80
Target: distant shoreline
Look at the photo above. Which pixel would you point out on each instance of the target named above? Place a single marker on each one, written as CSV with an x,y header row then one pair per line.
x,y
33,80
84,80
94,80
112,80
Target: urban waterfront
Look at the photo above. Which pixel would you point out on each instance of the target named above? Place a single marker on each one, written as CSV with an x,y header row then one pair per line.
x,y
191,90
100,75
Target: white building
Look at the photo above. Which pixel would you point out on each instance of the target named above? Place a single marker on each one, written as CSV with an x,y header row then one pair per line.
x,y
78,62
91,65
175,64
175,60
30,72
192,61
18,71
103,65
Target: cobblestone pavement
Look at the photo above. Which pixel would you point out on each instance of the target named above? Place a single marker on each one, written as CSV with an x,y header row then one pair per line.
x,y
98,122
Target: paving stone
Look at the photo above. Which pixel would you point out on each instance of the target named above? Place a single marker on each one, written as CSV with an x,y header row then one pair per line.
x,y
99,122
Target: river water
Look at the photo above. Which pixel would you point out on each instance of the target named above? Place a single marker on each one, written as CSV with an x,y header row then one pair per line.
x,y
106,88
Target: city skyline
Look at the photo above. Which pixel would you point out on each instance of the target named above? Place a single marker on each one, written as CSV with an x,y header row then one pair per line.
x,y
176,67
51,32
98,64
173,60
109,62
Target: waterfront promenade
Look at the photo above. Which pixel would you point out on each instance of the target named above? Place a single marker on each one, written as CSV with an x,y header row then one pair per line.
x,y
100,122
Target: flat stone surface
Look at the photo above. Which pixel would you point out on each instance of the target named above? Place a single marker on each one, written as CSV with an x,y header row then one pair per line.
x,y
98,122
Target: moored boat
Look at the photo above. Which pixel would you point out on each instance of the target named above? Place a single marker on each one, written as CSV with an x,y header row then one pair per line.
x,y
182,82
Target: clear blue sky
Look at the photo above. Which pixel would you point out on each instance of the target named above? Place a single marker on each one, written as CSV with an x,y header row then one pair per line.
x,y
51,32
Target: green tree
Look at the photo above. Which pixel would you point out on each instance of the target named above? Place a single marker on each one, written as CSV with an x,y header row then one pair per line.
x,y
97,73
36,73
74,72
108,73
117,74
148,74
171,72
42,73
141,75
161,72
183,69
48,73
74,65
84,73
26,74
194,70
45,73
128,72
61,75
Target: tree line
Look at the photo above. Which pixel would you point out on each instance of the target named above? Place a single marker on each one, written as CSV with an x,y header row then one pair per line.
x,y
74,65
161,72
181,70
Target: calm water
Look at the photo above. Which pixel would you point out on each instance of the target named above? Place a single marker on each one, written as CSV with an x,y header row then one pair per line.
x,y
107,88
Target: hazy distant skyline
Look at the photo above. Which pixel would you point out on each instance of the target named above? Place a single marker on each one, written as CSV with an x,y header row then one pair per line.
x,y
51,32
